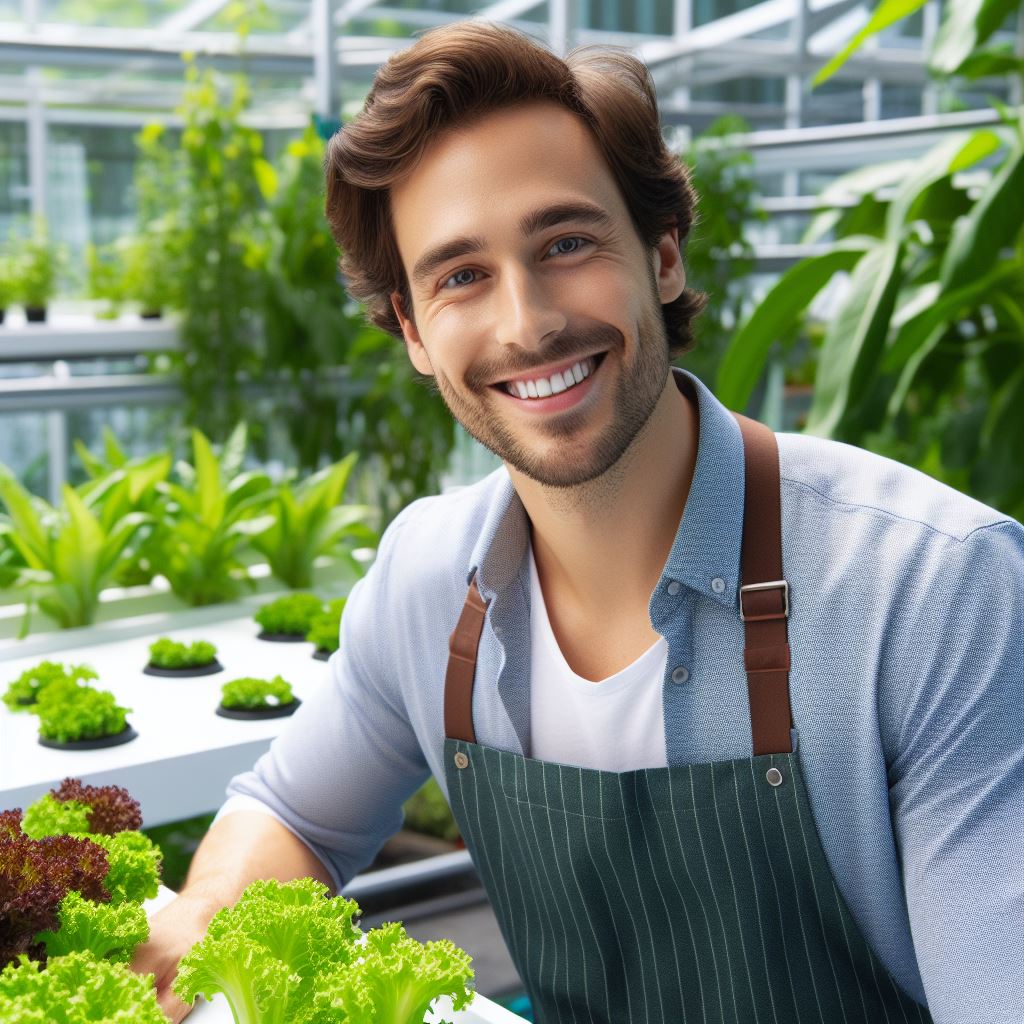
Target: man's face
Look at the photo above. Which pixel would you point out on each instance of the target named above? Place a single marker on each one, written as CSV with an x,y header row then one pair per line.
x,y
522,261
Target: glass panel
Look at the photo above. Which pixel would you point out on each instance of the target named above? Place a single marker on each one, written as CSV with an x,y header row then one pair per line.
x,y
14,189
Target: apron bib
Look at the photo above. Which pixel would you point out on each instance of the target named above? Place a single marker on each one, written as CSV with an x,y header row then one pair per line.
x,y
692,893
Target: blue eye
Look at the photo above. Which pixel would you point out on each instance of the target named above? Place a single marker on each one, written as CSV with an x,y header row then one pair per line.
x,y
460,274
574,242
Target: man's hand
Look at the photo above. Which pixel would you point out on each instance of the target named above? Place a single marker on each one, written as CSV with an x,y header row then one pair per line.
x,y
173,931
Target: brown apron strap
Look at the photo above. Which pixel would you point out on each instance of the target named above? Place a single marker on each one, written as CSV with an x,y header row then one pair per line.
x,y
764,595
458,679
764,608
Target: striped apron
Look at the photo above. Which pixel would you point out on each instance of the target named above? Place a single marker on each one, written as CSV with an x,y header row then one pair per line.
x,y
692,893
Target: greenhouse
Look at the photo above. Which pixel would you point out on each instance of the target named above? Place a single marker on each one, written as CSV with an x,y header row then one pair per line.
x,y
511,512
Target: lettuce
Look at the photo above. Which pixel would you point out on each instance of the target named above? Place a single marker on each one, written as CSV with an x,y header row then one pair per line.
x,y
108,931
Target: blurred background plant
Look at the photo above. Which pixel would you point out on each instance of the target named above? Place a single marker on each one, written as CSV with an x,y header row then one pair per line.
x,y
923,358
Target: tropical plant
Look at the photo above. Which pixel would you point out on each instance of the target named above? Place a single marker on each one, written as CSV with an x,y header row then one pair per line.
x,y
168,653
291,614
208,520
69,553
256,694
924,359
326,627
309,522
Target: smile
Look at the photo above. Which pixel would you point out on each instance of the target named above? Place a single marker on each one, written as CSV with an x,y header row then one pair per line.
x,y
556,391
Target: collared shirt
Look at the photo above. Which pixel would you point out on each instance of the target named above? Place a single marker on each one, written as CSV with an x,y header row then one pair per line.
x,y
907,685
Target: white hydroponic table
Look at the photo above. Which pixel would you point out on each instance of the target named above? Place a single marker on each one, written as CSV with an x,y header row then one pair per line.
x,y
480,1011
184,755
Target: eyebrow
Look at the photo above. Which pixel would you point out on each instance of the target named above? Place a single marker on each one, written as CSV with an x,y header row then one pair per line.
x,y
529,224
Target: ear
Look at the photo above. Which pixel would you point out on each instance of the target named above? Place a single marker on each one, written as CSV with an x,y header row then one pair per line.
x,y
413,344
668,267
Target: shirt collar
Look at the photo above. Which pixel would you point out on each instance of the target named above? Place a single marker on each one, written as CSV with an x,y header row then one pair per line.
x,y
705,555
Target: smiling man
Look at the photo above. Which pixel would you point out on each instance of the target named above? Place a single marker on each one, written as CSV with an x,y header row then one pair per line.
x,y
730,721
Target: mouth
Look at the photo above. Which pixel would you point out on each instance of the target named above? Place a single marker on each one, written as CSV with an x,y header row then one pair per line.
x,y
542,388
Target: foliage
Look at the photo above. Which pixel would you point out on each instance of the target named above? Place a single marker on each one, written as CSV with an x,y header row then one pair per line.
x,y
78,989
168,653
134,269
24,691
69,712
106,930
924,359
427,811
8,280
111,809
326,628
134,872
103,279
718,254
292,613
51,817
36,268
310,522
286,952
35,876
256,694
69,553
209,516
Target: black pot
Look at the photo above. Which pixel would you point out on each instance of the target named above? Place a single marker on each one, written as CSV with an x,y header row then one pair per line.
x,y
322,655
151,314
126,735
35,314
184,673
281,638
255,714
2,312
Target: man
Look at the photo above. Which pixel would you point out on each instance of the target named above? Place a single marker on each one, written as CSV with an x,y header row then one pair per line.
x,y
711,765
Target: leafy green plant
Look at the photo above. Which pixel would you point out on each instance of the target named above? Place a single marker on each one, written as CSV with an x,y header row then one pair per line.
x,y
286,952
51,817
69,553
309,522
209,518
8,281
74,808
103,279
168,653
79,988
924,359
37,265
68,712
292,613
325,629
256,694
106,930
133,874
24,691
428,812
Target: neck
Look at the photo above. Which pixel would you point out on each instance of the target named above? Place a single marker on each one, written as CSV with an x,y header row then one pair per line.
x,y
603,545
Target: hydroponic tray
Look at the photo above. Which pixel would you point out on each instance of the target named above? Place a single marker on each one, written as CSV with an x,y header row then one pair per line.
x,y
185,754
480,1011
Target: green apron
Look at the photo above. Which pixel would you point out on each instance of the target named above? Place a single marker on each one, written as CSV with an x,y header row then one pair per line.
x,y
692,893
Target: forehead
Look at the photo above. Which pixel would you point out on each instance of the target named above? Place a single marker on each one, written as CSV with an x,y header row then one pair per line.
x,y
480,179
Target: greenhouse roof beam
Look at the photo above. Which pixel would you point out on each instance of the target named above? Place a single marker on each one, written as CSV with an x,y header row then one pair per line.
x,y
191,16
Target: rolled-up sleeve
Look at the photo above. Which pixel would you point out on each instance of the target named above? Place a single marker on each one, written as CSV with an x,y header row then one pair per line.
x,y
957,785
340,769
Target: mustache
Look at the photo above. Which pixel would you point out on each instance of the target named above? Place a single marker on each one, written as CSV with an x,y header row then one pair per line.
x,y
574,341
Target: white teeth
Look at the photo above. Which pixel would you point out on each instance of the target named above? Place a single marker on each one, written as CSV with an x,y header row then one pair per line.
x,y
553,385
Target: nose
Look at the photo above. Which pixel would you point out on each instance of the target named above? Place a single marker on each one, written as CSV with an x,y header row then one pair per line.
x,y
525,313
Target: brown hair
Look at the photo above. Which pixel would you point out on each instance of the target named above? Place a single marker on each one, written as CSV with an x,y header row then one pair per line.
x,y
462,71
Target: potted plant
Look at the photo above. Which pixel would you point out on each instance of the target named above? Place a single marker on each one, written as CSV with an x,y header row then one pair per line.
x,y
168,657
37,275
251,699
324,630
77,717
289,618
23,692
8,284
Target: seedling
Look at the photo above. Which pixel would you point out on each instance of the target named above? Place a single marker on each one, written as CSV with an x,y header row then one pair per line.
x,y
168,657
289,617
80,718
325,629
250,698
24,691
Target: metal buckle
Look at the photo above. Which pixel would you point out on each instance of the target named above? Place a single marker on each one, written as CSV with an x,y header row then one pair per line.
x,y
784,584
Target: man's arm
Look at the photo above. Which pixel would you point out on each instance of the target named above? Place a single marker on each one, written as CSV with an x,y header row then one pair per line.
x,y
241,847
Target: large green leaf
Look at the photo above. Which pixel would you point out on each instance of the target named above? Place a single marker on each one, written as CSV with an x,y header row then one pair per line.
x,y
992,224
779,311
966,26
30,536
887,13
209,490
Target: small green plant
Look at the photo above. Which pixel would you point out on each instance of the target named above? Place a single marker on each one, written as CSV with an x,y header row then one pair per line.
x,y
37,266
310,522
208,521
252,694
293,613
8,282
24,691
68,712
109,931
326,627
168,653
70,554
103,279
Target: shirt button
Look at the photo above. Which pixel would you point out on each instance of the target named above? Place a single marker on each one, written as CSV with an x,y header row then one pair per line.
x,y
673,588
680,674
718,585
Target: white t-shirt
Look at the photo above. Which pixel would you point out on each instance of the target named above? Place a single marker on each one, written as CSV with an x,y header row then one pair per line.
x,y
616,725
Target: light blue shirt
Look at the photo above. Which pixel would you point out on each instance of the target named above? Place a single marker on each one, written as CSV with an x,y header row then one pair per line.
x,y
907,632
